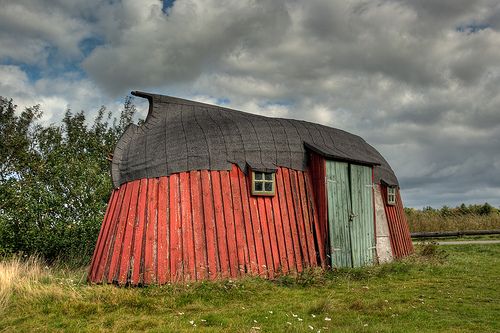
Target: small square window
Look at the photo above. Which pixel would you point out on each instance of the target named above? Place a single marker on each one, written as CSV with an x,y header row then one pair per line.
x,y
263,183
391,195
258,186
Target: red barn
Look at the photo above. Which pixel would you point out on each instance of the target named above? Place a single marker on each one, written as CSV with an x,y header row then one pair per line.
x,y
204,192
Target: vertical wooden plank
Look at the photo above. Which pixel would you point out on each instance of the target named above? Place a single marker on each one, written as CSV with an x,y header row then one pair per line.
x,y
280,236
229,219
285,220
318,180
299,216
176,264
399,233
125,253
150,236
198,226
257,233
221,226
241,242
103,235
374,207
292,220
265,237
139,233
307,219
118,237
163,231
187,229
273,238
313,214
102,267
247,220
362,226
339,207
398,227
210,226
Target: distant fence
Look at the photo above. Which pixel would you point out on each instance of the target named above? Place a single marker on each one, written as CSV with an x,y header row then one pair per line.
x,y
438,234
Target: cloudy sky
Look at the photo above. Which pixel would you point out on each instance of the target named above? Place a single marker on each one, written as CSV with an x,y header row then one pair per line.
x,y
419,80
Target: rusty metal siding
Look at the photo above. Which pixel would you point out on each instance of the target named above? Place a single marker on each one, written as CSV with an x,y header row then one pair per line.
x,y
200,225
398,226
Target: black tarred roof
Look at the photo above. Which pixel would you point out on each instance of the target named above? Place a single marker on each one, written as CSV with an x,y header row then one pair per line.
x,y
181,135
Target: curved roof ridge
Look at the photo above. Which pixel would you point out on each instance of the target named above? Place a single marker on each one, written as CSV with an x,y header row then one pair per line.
x,y
169,142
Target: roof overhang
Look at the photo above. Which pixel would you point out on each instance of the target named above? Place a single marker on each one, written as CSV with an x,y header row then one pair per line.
x,y
332,155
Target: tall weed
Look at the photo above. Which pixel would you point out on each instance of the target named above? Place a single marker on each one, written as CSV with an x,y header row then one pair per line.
x,y
18,274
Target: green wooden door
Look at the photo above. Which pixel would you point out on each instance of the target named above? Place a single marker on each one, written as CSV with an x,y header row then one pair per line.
x,y
350,214
362,224
339,206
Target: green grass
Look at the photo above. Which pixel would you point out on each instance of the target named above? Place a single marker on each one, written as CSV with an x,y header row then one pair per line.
x,y
449,289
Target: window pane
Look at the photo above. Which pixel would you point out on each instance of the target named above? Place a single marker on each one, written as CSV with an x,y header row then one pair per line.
x,y
258,186
269,176
258,176
269,187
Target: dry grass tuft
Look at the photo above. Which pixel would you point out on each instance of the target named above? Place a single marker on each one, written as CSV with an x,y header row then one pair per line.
x,y
18,275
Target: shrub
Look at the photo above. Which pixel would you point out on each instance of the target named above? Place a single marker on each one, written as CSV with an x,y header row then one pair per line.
x,y
54,180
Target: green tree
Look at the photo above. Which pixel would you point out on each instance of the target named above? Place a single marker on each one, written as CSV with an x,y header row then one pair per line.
x,y
54,180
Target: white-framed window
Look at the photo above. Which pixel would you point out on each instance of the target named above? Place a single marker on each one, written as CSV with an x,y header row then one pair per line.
x,y
391,195
263,183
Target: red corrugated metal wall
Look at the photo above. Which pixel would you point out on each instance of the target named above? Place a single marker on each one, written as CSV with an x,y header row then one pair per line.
x,y
205,225
398,225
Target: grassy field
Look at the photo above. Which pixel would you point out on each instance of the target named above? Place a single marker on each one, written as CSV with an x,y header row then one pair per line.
x,y
441,289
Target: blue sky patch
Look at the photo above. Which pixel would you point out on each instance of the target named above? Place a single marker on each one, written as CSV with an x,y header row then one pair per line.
x,y
167,4
472,28
88,45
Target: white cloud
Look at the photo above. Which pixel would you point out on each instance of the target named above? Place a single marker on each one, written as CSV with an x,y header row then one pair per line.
x,y
56,95
418,79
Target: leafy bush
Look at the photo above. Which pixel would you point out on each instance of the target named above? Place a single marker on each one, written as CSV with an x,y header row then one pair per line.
x,y
54,180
